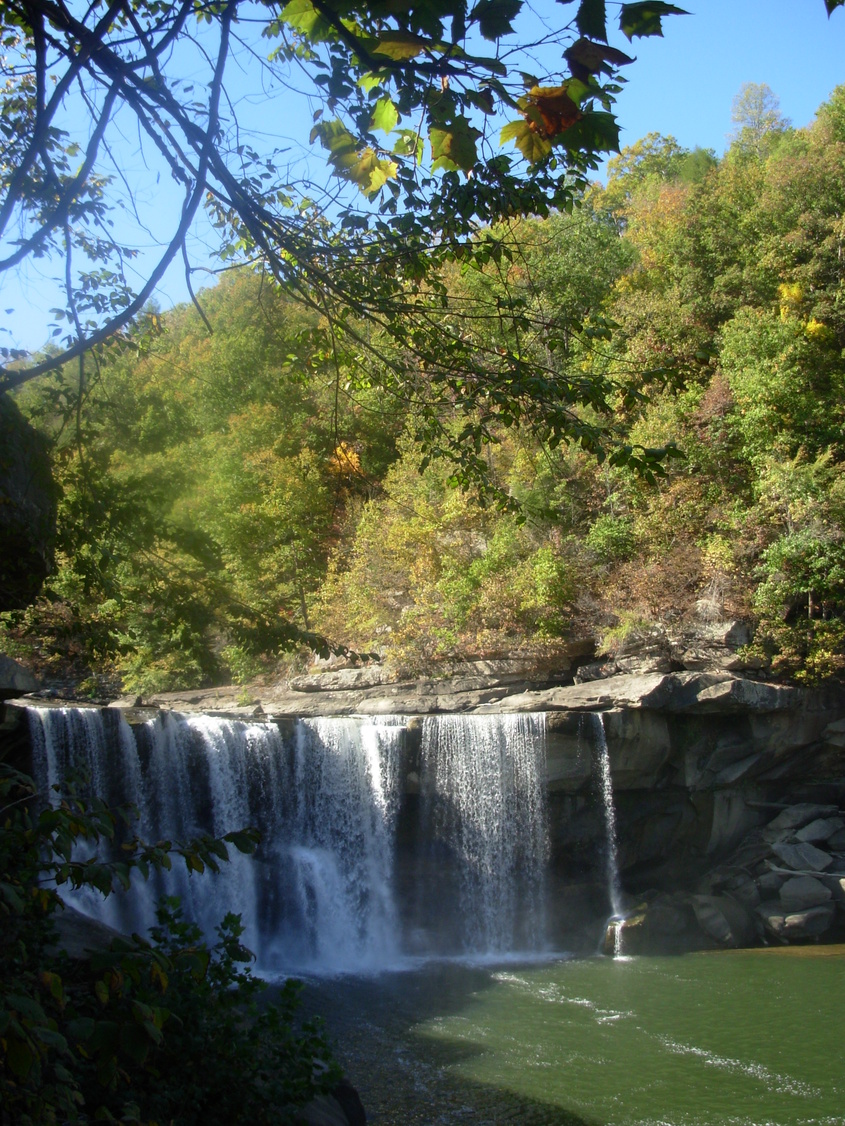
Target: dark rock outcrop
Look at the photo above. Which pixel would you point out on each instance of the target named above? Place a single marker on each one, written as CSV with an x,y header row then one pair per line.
x,y
15,680
27,509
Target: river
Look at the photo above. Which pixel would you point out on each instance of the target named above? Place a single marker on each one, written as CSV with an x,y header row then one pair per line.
x,y
746,1038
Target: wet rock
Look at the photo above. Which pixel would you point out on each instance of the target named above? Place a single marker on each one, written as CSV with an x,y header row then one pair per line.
x,y
791,926
796,816
770,883
325,1110
79,936
802,892
627,934
837,842
802,856
343,1107
724,920
666,924
820,830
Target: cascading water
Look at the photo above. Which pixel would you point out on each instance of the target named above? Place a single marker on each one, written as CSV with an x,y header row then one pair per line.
x,y
320,894
484,808
614,891
346,788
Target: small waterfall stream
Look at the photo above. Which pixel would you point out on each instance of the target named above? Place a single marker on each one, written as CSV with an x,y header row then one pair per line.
x,y
614,891
326,795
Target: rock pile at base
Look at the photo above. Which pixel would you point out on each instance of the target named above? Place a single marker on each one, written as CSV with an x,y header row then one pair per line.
x,y
785,883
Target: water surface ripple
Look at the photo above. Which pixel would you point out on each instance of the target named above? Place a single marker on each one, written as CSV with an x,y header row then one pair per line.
x,y
743,1038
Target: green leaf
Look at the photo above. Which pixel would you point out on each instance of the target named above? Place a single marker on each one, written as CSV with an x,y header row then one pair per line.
x,y
531,144
453,146
644,18
409,143
25,1007
303,17
593,133
494,17
591,19
244,840
385,115
364,168
81,1029
398,45
51,1038
135,1042
19,1057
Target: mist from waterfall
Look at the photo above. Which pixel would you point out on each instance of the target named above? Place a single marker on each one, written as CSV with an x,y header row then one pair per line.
x,y
325,794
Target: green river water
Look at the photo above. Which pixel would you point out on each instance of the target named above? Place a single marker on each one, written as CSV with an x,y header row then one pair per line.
x,y
747,1038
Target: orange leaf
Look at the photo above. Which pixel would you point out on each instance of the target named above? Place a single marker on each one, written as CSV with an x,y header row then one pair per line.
x,y
555,109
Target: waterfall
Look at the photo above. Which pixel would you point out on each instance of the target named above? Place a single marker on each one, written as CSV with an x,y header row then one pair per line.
x,y
328,796
483,787
317,894
614,891
345,789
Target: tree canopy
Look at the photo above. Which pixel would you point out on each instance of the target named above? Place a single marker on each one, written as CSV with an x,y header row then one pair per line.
x,y
444,118
219,497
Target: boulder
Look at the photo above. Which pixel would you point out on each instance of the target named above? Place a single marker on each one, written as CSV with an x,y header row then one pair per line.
x,y
835,883
736,694
820,830
801,892
796,816
78,935
770,883
800,857
342,1107
724,920
325,1110
741,887
15,680
126,703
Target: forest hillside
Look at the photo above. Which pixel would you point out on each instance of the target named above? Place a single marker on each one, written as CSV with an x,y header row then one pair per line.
x,y
230,497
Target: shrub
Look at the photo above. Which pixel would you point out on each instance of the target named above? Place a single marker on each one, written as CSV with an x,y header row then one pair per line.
x,y
166,1030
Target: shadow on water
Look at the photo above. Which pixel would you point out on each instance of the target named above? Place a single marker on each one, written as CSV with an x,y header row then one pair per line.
x,y
405,1076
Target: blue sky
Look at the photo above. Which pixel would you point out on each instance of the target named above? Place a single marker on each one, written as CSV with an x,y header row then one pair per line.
x,y
682,84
